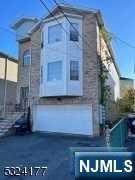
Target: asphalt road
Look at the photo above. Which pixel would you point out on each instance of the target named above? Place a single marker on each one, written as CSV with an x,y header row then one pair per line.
x,y
43,150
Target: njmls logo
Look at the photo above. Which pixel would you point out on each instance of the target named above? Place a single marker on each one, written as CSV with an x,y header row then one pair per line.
x,y
105,165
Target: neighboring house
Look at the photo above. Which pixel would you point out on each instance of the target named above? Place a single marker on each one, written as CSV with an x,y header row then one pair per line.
x,y
8,82
125,85
59,71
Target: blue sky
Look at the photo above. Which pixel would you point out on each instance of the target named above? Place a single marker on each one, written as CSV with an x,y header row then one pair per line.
x,y
118,15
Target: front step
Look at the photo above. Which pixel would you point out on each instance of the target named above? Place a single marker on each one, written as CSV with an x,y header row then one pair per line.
x,y
7,123
13,115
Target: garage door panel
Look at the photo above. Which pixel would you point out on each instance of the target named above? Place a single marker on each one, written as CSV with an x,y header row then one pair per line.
x,y
66,119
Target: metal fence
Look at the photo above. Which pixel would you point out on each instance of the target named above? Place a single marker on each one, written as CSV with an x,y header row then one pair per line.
x,y
118,134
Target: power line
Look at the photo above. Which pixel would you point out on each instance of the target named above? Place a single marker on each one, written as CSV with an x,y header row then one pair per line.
x,y
46,7
112,34
116,44
122,41
82,37
33,42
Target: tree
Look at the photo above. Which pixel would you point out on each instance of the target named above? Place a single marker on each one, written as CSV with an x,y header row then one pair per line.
x,y
127,103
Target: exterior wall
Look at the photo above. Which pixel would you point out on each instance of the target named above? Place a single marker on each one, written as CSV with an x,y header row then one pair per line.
x,y
113,76
90,72
125,84
35,66
23,70
11,95
12,69
11,80
2,67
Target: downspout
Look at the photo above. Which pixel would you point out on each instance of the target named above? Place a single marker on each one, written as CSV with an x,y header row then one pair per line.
x,y
30,74
29,95
102,126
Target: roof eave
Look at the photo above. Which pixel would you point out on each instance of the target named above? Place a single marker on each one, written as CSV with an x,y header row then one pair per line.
x,y
4,55
19,21
35,27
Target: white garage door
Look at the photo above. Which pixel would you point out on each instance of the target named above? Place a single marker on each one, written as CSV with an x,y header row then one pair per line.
x,y
74,119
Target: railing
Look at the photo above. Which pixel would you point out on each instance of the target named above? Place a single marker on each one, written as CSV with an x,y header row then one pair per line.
x,y
10,108
117,136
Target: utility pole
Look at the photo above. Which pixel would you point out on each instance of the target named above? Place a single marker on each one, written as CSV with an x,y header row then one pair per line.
x,y
5,88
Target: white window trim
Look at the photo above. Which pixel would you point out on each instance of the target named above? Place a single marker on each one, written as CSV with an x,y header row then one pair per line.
x,y
70,15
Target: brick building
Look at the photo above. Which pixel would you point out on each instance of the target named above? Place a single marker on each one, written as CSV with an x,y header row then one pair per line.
x,y
59,70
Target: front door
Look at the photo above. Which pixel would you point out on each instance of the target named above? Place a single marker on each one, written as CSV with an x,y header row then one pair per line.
x,y
24,92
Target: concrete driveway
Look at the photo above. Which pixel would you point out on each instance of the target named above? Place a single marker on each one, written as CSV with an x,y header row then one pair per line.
x,y
41,150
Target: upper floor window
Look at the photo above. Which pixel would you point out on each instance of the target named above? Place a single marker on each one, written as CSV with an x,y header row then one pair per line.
x,y
74,70
54,71
74,32
26,57
54,33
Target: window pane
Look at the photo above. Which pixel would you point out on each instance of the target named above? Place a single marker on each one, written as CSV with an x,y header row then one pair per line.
x,y
54,71
74,70
74,32
24,92
54,33
26,57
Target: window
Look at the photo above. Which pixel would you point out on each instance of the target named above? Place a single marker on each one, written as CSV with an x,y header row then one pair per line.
x,y
74,70
74,32
54,33
24,92
26,57
54,71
